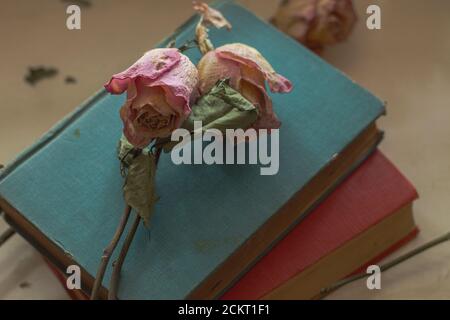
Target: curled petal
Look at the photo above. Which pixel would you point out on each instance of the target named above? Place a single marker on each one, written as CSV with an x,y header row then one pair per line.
x,y
210,16
251,57
149,67
180,85
258,96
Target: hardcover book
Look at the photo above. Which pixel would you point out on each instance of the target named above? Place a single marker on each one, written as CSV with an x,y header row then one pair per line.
x,y
364,220
212,222
367,217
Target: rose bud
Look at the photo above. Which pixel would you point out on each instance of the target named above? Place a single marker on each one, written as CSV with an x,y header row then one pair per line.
x,y
160,87
248,71
316,23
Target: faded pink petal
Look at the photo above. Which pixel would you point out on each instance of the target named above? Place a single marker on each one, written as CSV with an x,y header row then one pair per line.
x,y
211,16
149,67
212,69
180,84
208,17
246,55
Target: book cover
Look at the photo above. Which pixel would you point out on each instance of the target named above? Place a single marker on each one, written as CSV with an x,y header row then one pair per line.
x,y
67,185
322,234
369,195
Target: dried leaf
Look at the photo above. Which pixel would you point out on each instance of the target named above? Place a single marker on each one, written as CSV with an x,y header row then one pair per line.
x,y
125,154
222,108
139,188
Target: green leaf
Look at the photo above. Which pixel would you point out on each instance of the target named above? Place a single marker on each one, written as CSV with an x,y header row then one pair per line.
x,y
222,108
139,188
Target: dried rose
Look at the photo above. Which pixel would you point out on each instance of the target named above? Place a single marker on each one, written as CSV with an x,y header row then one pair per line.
x,y
316,23
160,88
247,70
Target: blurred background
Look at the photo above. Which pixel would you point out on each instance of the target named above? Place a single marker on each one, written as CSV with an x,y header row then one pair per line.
x,y
406,63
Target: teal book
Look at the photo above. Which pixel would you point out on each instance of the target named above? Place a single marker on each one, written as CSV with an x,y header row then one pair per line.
x,y
212,222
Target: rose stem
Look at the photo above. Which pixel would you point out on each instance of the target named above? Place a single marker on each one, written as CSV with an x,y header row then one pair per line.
x,y
416,251
108,252
117,265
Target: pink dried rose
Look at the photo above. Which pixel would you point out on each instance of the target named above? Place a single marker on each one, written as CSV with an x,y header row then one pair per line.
x,y
248,71
316,23
160,88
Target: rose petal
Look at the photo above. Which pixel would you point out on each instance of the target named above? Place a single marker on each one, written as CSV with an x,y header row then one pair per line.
x,y
180,84
258,96
212,69
249,56
211,16
149,67
137,139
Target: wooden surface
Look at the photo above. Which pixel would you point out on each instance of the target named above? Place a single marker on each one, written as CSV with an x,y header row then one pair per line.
x,y
406,63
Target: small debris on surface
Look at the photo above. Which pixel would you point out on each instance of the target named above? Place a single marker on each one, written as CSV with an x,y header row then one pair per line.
x,y
82,3
24,285
77,133
36,74
70,80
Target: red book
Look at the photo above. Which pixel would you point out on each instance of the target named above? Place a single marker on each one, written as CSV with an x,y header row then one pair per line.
x,y
368,216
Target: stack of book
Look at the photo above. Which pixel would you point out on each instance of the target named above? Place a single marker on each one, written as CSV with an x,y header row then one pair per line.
x,y
336,204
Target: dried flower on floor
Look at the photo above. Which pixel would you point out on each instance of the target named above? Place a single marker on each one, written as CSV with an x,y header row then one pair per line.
x,y
316,23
